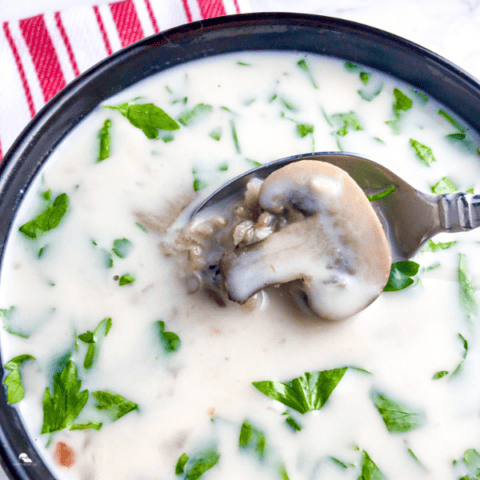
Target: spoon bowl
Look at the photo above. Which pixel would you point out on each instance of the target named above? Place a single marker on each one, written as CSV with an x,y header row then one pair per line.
x,y
410,217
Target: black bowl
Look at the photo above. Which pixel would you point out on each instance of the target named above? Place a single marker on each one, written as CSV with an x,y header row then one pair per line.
x,y
265,31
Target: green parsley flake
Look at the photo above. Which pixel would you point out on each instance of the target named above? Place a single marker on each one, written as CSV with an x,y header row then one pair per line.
x,y
126,279
197,113
348,121
147,117
444,186
431,246
67,402
385,193
216,134
253,439
370,471
87,426
13,381
92,339
104,141
351,67
402,102
461,129
48,219
423,152
397,417
400,275
303,65
306,393
303,129
441,374
201,463
122,247
235,136
141,227
114,404
180,465
467,290
364,77
171,341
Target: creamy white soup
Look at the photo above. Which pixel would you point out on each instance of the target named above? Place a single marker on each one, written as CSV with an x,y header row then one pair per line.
x,y
119,372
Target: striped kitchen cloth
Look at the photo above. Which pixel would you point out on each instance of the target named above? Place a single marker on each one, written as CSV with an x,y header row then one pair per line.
x,y
41,54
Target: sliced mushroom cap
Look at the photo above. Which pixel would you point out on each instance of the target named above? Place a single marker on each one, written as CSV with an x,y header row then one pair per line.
x,y
333,241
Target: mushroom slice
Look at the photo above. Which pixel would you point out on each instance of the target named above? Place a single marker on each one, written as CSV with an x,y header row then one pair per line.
x,y
333,241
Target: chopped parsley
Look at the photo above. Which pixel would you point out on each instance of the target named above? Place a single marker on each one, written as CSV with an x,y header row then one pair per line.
x,y
467,290
253,163
291,422
440,374
346,121
351,67
253,439
402,101
216,134
423,152
444,186
92,339
13,381
364,77
401,104
303,65
114,404
431,246
235,136
126,279
141,227
61,409
460,128
87,426
383,194
48,219
400,275
370,471
306,393
303,129
147,117
122,247
170,341
104,141
195,114
397,417
180,465
195,467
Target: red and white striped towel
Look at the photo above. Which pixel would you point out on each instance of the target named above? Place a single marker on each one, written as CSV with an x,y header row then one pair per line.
x,y
41,54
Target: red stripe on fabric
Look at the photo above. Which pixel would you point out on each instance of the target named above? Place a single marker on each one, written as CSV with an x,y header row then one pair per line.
x,y
44,56
66,41
21,71
211,8
101,26
152,16
188,13
236,6
127,22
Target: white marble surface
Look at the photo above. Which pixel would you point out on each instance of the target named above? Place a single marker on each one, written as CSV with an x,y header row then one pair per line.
x,y
448,27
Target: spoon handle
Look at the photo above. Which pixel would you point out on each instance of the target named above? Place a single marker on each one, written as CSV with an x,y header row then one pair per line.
x,y
459,212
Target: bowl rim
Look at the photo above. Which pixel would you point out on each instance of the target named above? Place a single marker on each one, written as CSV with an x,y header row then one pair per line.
x,y
13,169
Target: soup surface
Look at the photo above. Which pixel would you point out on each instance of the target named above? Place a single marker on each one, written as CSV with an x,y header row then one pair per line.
x,y
174,385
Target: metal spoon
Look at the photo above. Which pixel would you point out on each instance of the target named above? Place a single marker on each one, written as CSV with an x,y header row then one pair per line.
x,y
410,217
